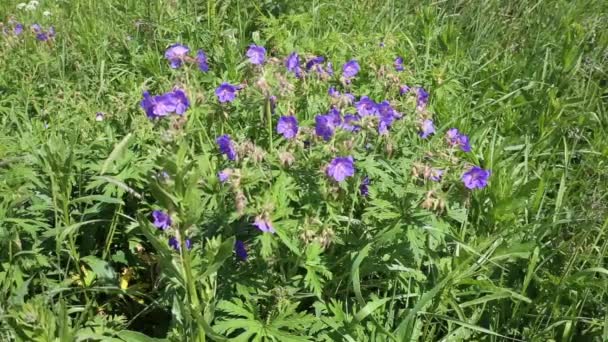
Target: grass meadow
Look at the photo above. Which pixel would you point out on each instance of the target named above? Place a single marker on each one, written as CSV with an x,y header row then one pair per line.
x,y
266,197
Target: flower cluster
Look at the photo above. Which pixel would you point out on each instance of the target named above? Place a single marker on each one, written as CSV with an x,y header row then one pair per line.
x,y
363,118
17,29
172,102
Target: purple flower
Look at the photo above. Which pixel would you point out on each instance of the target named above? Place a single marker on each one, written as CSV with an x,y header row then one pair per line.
x,y
387,116
201,60
364,187
404,90
422,98
348,125
162,220
293,64
314,61
333,92
36,28
174,243
240,250
263,225
224,175
324,126
176,54
329,69
436,175
226,146
340,168
18,29
163,105
288,126
476,178
52,32
366,106
350,68
455,138
427,128
399,64
42,36
226,92
256,54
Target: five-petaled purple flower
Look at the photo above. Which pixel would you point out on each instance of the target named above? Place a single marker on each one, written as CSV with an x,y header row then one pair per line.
x,y
364,187
201,60
226,146
18,29
224,175
399,64
350,69
314,61
340,168
174,243
455,138
325,125
263,225
288,126
256,54
333,92
427,128
162,220
436,175
422,98
240,250
387,116
176,54
293,64
349,123
157,106
226,92
404,89
476,178
366,106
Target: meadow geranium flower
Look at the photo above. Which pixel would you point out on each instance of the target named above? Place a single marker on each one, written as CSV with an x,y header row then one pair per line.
x,y
366,106
288,126
263,224
427,128
179,101
174,243
36,28
436,175
476,178
329,69
399,64
162,220
240,250
176,54
293,64
172,102
350,69
333,92
422,98
201,60
404,90
455,138
224,175
348,124
256,54
314,61
226,92
364,187
324,126
18,29
387,116
226,146
341,168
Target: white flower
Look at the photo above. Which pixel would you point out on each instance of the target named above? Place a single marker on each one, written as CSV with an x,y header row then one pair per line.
x,y
46,13
34,3
21,6
29,7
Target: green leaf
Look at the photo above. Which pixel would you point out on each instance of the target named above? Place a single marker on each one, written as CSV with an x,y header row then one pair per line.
x,y
103,271
116,152
134,336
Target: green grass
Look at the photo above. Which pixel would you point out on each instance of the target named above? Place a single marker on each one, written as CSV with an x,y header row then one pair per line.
x,y
523,259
